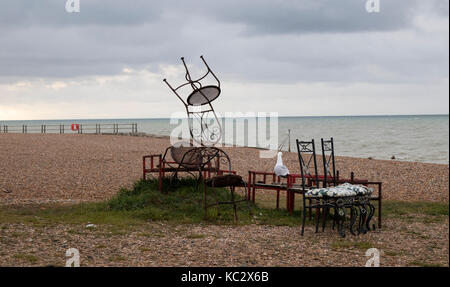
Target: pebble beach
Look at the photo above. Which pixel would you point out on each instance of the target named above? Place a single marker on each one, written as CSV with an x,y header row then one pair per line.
x,y
42,168
64,169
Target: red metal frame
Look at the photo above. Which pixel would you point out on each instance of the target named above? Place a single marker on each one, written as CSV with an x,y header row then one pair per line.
x,y
160,166
252,184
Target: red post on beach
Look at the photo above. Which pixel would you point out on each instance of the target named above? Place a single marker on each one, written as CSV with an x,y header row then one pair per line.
x,y
249,185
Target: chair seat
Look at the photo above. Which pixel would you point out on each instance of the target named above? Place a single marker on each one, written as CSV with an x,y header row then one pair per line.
x,y
343,190
225,180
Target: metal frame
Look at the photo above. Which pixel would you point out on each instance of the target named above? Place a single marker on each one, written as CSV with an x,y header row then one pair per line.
x,y
329,167
207,135
332,176
208,166
356,203
306,149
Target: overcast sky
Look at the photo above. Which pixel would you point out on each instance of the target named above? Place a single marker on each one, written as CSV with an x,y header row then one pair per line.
x,y
306,57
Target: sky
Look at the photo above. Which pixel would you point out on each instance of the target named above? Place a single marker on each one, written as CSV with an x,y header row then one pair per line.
x,y
297,58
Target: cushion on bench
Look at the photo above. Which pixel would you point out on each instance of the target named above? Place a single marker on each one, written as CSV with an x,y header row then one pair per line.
x,y
342,190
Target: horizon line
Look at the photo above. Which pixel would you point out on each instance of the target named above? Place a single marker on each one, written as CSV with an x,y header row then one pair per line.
x,y
284,116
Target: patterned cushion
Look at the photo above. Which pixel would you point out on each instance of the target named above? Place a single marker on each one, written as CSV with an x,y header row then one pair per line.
x,y
342,190
359,189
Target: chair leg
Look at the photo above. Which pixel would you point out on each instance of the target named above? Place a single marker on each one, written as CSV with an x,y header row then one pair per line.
x,y
317,219
303,219
341,222
234,203
253,194
247,190
217,200
369,218
325,215
292,202
204,201
160,182
334,220
310,209
379,213
288,201
278,199
353,216
362,219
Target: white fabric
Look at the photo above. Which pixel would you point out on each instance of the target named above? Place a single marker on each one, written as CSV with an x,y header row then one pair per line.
x,y
280,169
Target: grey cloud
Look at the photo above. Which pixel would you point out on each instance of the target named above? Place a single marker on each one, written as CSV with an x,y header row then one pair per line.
x,y
260,16
22,13
309,16
267,41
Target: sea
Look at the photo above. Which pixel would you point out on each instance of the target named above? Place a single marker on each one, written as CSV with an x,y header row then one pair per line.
x,y
416,138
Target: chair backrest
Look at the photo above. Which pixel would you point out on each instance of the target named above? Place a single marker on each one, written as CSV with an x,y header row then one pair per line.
x,y
199,157
308,163
185,156
329,168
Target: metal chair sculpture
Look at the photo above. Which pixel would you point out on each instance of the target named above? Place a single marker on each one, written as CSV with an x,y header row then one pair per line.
x,y
204,126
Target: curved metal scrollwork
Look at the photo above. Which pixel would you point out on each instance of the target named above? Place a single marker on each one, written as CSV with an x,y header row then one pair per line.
x,y
199,157
204,125
359,208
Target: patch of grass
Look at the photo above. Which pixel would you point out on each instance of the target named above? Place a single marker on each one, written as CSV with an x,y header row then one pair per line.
x,y
344,244
26,257
96,213
73,231
16,234
418,234
423,264
151,234
398,208
195,236
433,219
392,253
116,258
182,202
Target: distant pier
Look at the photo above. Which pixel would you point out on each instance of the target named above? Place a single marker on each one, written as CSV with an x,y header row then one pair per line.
x,y
72,128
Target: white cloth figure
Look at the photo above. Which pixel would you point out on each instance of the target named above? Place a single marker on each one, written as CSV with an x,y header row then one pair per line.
x,y
279,168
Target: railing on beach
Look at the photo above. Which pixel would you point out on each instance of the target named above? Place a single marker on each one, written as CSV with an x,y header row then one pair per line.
x,y
72,128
